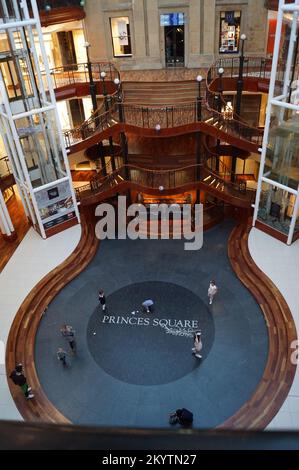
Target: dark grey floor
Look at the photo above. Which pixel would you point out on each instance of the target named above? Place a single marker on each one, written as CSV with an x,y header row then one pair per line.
x,y
134,375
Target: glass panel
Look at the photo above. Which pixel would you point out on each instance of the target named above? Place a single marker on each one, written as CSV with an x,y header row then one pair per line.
x,y
39,140
174,46
282,157
121,38
5,168
229,32
10,10
296,231
276,208
172,19
19,69
287,54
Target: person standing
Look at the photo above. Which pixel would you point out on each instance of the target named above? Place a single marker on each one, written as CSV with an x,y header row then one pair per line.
x,y
212,291
102,300
182,416
19,378
197,345
69,334
148,305
61,356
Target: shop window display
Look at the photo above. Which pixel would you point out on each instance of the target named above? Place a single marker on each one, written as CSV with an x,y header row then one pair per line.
x,y
121,38
229,32
276,208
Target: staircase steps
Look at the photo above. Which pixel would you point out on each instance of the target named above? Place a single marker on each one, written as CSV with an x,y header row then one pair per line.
x,y
214,182
160,93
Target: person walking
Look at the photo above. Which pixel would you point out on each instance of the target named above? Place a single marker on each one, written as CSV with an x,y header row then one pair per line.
x,y
68,333
61,356
212,291
102,300
19,378
197,345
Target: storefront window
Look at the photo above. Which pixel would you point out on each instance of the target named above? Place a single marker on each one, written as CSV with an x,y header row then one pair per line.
x,y
121,38
229,31
276,208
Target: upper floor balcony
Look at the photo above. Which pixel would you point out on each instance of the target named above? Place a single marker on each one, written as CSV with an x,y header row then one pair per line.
x,y
51,11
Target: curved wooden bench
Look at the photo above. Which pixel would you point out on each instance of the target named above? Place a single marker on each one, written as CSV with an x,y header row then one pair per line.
x,y
279,372
21,339
278,375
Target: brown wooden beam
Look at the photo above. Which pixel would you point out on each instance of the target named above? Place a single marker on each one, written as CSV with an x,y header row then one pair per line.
x,y
61,15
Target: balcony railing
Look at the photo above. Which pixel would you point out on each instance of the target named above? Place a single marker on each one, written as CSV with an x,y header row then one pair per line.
x,y
78,73
166,117
164,180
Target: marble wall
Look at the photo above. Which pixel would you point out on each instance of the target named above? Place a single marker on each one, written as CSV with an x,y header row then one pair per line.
x,y
147,36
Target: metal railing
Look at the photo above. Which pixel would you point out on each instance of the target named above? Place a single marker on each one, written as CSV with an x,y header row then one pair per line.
x,y
99,121
166,117
78,73
161,180
255,67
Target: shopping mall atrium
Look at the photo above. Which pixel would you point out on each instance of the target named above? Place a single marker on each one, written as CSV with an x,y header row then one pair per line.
x,y
184,113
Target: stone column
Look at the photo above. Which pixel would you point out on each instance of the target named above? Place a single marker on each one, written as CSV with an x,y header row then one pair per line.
x,y
95,30
257,17
153,22
195,25
209,35
139,30
6,225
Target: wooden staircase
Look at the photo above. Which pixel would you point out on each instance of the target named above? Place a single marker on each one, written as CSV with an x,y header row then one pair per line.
x,y
160,93
214,182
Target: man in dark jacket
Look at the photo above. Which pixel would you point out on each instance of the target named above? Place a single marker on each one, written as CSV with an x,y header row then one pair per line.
x,y
185,417
182,416
19,378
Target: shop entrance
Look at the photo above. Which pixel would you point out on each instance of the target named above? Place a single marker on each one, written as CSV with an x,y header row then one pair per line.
x,y
67,50
174,39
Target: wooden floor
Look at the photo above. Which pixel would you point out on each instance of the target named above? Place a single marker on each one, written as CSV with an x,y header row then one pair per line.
x,y
21,224
255,414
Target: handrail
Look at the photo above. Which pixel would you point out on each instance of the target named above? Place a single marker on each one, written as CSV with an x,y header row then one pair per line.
x,y
92,125
258,67
166,116
105,169
235,187
209,155
165,179
253,66
72,73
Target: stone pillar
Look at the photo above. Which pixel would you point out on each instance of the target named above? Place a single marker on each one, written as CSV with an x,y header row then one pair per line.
x,y
140,29
95,30
209,36
195,25
6,226
256,20
153,22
